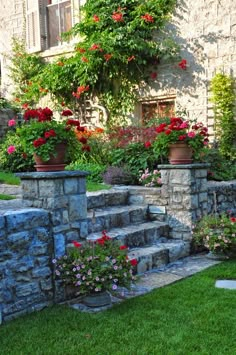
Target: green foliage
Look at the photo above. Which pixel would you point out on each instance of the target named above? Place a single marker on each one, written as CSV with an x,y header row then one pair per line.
x,y
95,170
216,233
24,71
177,130
6,197
103,265
223,98
94,186
134,157
112,57
9,178
221,169
17,161
5,104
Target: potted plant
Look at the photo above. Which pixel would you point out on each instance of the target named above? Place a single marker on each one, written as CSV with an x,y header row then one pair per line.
x,y
150,178
96,267
188,138
217,233
50,141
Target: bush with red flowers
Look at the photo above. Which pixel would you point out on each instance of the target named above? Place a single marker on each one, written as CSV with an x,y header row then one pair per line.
x,y
96,266
175,130
40,132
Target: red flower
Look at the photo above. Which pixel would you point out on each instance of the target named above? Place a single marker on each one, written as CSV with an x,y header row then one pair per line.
x,y
25,106
86,148
81,50
76,244
117,16
38,142
107,56
183,64
147,144
73,122
147,18
84,59
61,64
67,113
24,155
50,133
153,75
161,128
83,140
168,131
95,47
233,219
182,138
96,18
131,58
133,262
100,241
80,90
123,247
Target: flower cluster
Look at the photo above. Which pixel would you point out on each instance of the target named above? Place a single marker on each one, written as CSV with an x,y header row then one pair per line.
x,y
216,233
150,178
96,266
41,133
176,130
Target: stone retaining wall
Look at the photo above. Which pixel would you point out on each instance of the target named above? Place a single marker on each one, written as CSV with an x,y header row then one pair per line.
x,y
26,248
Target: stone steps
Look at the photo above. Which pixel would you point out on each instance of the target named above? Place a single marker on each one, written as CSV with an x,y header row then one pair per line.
x,y
128,219
115,216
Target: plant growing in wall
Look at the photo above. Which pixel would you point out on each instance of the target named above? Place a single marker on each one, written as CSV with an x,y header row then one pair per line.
x,y
223,98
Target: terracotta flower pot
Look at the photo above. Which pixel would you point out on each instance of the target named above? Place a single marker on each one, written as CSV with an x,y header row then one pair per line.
x,y
180,153
55,163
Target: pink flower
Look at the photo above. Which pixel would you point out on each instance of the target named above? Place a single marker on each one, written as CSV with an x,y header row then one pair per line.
x,y
96,18
147,18
11,123
11,149
191,134
153,75
117,16
184,125
147,144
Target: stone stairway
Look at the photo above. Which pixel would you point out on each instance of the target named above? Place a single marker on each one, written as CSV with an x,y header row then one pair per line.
x,y
130,223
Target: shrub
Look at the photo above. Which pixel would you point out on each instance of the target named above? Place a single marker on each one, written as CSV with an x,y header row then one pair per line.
x,y
96,170
15,160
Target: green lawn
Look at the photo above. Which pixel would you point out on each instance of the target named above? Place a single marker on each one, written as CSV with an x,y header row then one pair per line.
x,y
9,178
188,317
7,197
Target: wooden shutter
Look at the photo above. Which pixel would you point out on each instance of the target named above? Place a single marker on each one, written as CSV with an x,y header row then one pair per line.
x,y
33,35
36,25
75,10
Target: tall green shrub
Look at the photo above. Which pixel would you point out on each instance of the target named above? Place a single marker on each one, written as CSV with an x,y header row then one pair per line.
x,y
223,98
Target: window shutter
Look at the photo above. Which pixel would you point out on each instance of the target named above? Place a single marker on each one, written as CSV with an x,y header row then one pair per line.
x,y
75,10
33,35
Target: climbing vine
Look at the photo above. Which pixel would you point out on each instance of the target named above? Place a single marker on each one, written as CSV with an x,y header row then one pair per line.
x,y
119,46
223,98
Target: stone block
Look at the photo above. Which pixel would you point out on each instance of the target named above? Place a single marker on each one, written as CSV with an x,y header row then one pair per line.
x,y
50,188
73,235
65,217
26,219
53,203
156,209
77,207
71,186
30,189
59,245
19,240
27,289
180,176
41,272
46,285
39,249
84,229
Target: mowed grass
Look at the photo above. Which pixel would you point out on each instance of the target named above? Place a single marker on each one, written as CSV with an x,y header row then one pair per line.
x,y
188,317
9,178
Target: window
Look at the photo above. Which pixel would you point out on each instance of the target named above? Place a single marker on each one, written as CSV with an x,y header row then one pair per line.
x,y
47,19
161,107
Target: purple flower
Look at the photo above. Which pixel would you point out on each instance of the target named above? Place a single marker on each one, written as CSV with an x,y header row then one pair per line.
x,y
114,287
113,261
54,261
78,276
78,283
115,267
78,268
57,272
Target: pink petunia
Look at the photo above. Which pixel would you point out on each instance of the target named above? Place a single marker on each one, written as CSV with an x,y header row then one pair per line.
x,y
11,149
11,123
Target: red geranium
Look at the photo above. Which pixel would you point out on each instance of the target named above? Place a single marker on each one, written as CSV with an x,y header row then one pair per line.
x,y
38,142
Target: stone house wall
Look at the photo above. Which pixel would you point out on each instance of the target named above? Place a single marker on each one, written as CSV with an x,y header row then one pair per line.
x,y
5,116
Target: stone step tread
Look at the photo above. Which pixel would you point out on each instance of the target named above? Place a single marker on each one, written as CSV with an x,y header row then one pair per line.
x,y
114,232
107,198
159,254
136,234
115,210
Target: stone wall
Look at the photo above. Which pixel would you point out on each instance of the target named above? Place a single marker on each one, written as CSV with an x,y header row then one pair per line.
x,y
221,196
5,116
26,249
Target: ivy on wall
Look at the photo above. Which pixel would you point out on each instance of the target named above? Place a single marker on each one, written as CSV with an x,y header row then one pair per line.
x,y
223,98
119,48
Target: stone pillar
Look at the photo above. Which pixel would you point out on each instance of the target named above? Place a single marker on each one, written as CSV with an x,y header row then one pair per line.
x,y
63,194
184,187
